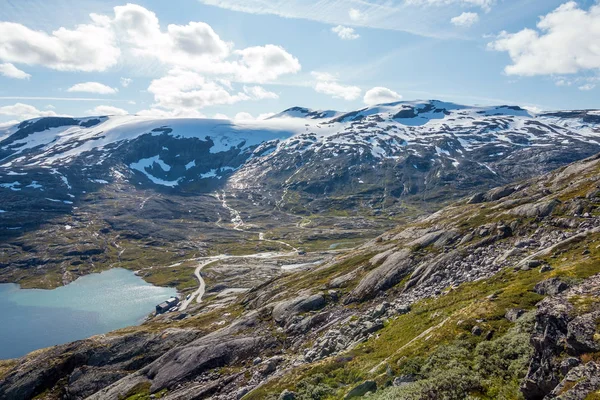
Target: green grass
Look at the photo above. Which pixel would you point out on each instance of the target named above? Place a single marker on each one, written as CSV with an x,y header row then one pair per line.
x,y
401,348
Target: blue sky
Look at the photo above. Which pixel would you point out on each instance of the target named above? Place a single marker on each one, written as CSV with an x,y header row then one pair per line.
x,y
254,57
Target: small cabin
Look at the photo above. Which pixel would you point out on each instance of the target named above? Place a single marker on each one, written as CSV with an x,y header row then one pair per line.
x,y
166,305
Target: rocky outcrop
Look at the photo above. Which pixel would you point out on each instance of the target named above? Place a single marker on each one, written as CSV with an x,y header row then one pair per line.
x,y
91,364
578,383
192,360
284,310
566,329
391,272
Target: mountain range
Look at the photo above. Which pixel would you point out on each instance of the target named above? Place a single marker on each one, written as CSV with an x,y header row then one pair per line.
x,y
408,250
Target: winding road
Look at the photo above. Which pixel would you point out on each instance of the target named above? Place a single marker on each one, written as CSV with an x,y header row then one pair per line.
x,y
204,261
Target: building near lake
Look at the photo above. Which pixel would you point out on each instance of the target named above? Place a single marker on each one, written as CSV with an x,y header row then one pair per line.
x,y
167,305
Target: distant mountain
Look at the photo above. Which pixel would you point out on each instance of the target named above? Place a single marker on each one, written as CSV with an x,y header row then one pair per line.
x,y
384,152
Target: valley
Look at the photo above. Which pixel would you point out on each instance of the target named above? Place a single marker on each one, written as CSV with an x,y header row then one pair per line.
x,y
397,250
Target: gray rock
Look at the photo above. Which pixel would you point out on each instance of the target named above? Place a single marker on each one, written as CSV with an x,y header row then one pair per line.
x,y
284,310
545,268
579,383
535,209
403,380
568,364
182,363
395,267
362,389
550,287
514,314
287,395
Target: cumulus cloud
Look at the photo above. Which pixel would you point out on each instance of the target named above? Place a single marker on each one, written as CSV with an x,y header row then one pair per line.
x,y
107,110
465,19
125,82
380,95
345,33
94,47
259,93
180,113
196,46
245,116
328,84
187,90
25,111
92,87
88,47
10,71
183,45
566,42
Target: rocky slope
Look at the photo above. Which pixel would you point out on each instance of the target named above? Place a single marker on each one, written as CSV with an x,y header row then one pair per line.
x,y
495,296
80,195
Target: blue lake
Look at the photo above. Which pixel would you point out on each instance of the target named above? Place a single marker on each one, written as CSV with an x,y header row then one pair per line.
x,y
32,318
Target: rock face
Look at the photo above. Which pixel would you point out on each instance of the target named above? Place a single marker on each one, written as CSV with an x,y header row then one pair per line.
x,y
90,365
283,311
393,269
194,359
565,330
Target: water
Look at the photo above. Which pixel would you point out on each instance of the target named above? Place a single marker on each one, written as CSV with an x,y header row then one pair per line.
x,y
32,318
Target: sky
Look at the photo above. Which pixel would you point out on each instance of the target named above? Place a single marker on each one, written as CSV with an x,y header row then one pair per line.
x,y
248,59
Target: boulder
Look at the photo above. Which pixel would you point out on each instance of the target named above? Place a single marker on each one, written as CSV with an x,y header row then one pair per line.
x,y
284,310
287,395
395,267
534,210
513,314
550,287
362,389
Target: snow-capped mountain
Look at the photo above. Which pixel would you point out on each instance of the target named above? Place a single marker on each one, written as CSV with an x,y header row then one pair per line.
x,y
367,158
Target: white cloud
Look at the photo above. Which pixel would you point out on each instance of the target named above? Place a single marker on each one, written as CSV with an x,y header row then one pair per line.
x,y
125,82
345,33
8,123
180,113
380,95
188,91
182,45
10,71
566,42
354,14
88,47
25,111
196,46
563,82
107,110
414,16
328,84
259,93
465,19
92,87
486,5
220,116
587,87
94,47
245,116
262,64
